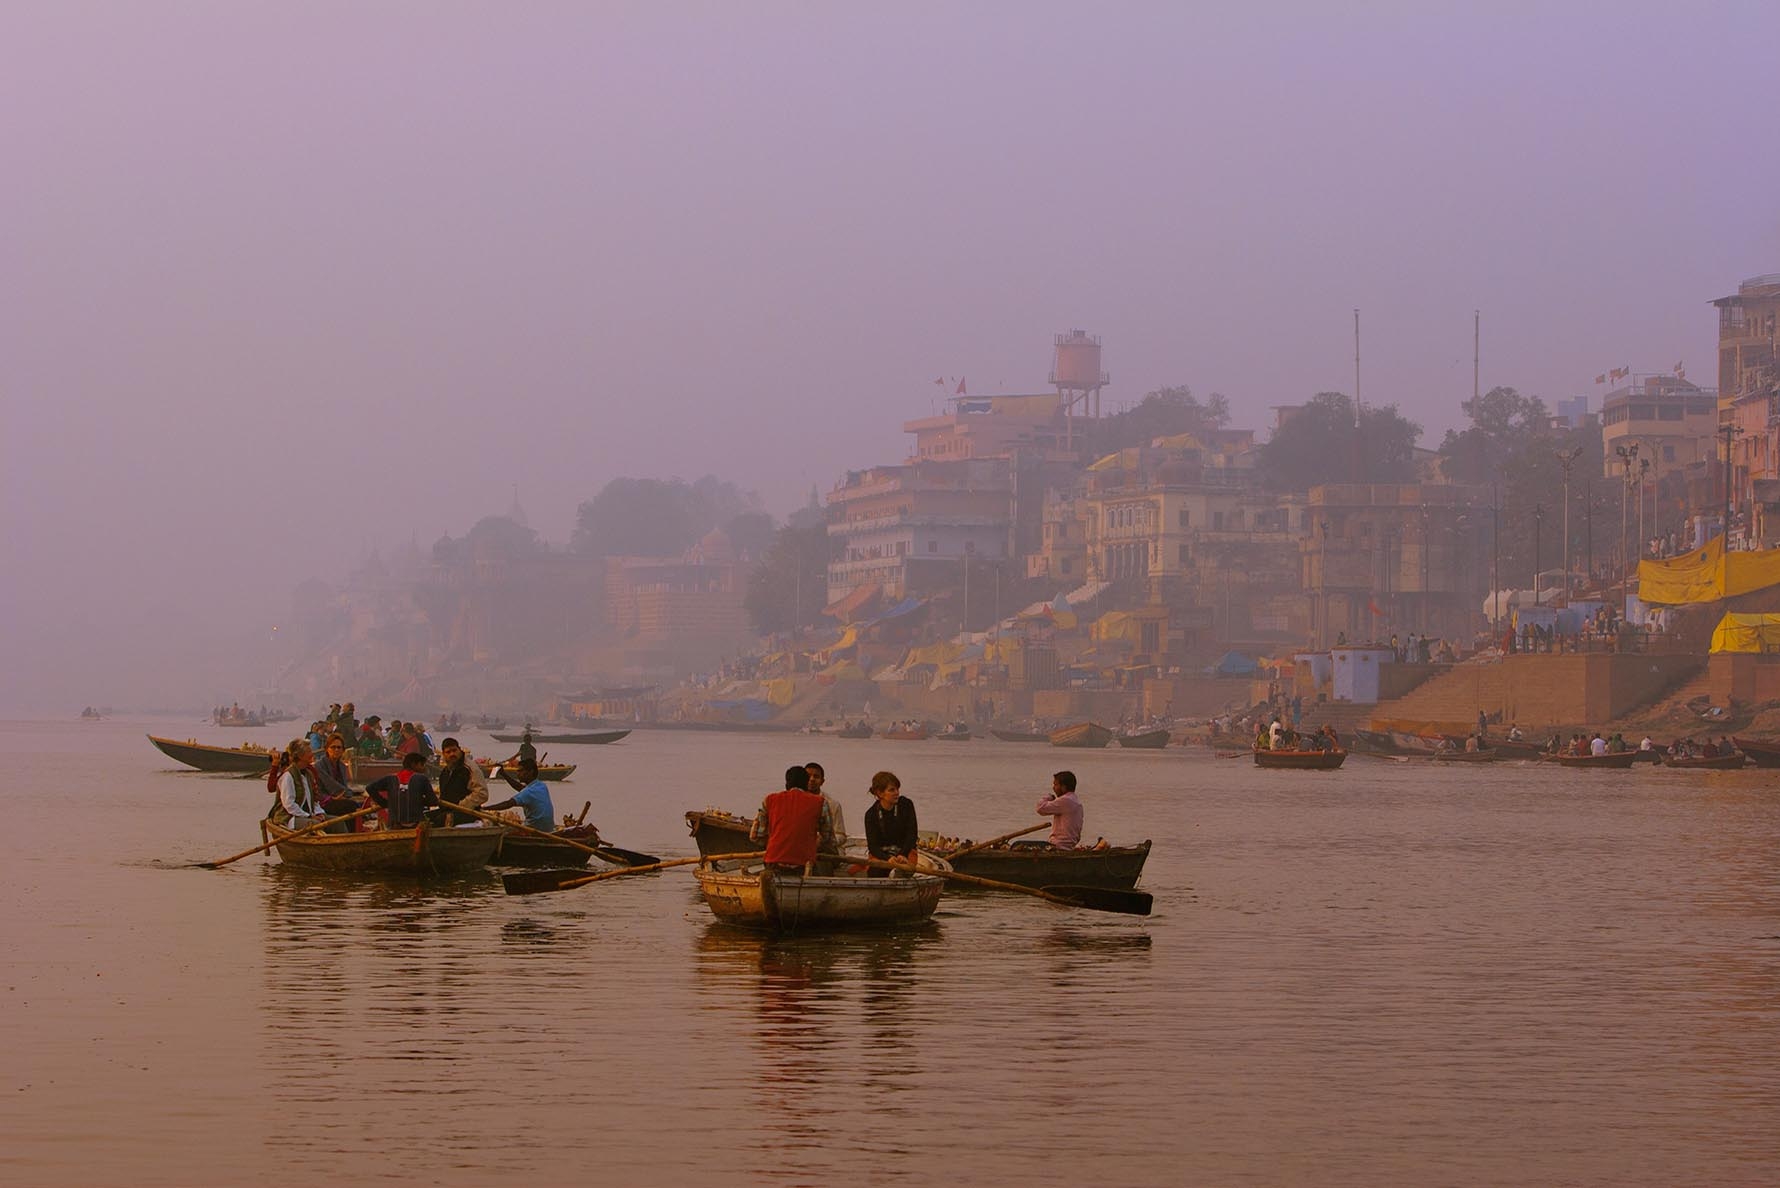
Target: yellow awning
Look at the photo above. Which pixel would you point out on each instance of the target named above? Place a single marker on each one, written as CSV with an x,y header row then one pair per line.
x,y
1747,633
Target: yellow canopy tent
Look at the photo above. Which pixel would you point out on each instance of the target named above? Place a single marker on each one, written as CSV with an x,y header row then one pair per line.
x,y
1747,633
1706,575
1117,625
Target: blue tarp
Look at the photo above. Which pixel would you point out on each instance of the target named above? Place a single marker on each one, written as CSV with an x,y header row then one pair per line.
x,y
904,607
1236,664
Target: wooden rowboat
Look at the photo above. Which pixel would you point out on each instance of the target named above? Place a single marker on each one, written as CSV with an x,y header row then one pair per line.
x,y
1038,865
1149,740
1082,734
423,850
523,849
1457,756
248,760
364,770
593,737
861,730
1761,752
915,735
1019,736
1730,762
1300,760
1620,761
755,897
718,832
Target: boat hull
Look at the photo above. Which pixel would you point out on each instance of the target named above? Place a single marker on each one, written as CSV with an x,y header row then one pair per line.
x,y
522,849
1621,761
1301,760
1020,736
1489,756
1085,734
1151,740
1761,752
590,737
1041,866
1729,762
422,851
757,898
235,760
717,832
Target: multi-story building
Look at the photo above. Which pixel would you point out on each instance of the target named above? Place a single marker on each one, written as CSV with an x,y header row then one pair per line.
x,y
915,528
1671,421
1379,558
1749,398
696,595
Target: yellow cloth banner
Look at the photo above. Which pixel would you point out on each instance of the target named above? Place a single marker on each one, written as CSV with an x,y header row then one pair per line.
x,y
1747,633
1117,625
781,692
940,653
1706,575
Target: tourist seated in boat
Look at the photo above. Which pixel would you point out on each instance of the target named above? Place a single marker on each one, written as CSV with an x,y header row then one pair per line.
x,y
1708,749
793,825
819,777
1596,744
460,782
1726,746
370,739
1262,741
299,792
1514,733
891,834
1066,808
1617,744
530,796
1645,744
332,773
405,796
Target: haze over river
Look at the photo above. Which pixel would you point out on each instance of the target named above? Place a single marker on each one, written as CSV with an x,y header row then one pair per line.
x,y
1389,974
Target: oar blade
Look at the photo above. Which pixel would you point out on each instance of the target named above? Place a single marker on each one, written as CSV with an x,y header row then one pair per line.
x,y
538,882
623,857
1105,899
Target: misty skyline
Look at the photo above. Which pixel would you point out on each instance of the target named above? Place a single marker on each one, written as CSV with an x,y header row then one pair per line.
x,y
286,283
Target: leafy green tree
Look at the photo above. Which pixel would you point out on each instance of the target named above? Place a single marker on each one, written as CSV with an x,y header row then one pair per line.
x,y
1504,424
1317,445
1162,413
789,587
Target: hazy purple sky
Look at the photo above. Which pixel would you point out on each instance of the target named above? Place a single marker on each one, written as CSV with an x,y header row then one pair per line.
x,y
279,283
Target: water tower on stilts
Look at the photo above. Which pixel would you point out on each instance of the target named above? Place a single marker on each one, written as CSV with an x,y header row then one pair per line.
x,y
1076,374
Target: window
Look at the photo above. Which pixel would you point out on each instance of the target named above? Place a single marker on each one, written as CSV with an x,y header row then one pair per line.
x,y
1185,555
1217,520
933,546
1668,453
1186,518
1066,565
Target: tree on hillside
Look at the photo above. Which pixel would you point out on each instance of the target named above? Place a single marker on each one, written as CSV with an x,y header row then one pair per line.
x,y
751,533
1317,445
789,587
655,517
1162,413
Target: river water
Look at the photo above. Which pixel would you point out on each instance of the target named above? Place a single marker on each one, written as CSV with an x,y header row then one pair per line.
x,y
1389,974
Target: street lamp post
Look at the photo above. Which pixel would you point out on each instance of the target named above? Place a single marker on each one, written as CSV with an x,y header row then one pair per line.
x,y
1643,539
1567,459
1628,458
1538,523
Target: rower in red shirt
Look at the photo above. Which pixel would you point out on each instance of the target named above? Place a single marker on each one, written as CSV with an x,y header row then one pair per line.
x,y
795,824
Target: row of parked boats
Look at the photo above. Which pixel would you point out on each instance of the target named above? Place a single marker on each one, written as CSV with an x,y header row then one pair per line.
x,y
1081,734
252,760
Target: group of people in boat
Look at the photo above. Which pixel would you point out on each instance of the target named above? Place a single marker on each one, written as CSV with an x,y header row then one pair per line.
x,y
370,738
310,790
1277,736
234,715
1688,748
802,822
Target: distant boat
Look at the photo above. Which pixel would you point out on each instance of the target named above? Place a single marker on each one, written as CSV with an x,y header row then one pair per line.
x,y
1300,760
1083,734
1457,756
1149,740
1730,762
248,760
907,735
1019,736
859,730
592,737
1620,760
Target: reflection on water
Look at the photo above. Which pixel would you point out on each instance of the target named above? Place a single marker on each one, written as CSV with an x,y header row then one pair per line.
x,y
1389,976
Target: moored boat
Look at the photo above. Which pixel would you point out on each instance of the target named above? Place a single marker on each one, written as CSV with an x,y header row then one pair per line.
x,y
365,769
1019,736
954,734
1613,760
1730,762
1489,755
1038,865
1762,752
245,760
755,896
523,849
718,832
1300,760
591,737
1149,740
423,850
907,734
1082,734
858,730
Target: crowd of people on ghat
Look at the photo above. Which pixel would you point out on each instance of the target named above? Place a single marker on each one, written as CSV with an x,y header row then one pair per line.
x,y
801,823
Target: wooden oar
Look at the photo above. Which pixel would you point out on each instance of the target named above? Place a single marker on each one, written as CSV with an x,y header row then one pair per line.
x,y
1098,899
319,825
996,841
532,882
610,854
584,810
